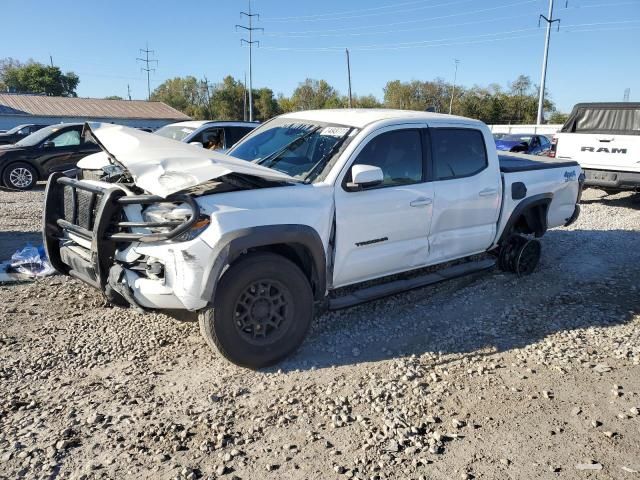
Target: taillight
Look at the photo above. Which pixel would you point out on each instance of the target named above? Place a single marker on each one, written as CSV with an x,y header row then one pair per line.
x,y
554,147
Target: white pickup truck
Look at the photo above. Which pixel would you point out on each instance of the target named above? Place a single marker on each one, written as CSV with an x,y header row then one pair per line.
x,y
259,240
605,139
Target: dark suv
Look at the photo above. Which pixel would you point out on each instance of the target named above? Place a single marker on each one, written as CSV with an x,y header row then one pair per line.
x,y
50,149
18,133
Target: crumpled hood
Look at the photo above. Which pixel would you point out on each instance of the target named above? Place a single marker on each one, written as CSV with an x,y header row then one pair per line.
x,y
162,166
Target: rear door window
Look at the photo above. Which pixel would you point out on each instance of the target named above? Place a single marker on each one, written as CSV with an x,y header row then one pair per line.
x,y
457,152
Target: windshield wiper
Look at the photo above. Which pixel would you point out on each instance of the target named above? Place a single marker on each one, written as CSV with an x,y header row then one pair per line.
x,y
320,164
274,157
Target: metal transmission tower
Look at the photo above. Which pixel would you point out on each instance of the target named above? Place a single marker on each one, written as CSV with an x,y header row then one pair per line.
x,y
550,21
627,95
453,90
251,42
147,68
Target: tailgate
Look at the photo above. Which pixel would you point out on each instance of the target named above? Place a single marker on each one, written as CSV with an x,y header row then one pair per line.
x,y
600,151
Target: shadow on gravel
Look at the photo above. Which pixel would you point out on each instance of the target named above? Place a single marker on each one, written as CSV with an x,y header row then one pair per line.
x,y
40,186
628,201
12,241
588,278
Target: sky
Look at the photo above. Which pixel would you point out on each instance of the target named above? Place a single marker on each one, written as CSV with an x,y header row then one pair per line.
x,y
594,56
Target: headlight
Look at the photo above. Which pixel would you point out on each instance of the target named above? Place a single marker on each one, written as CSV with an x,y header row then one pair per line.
x,y
164,217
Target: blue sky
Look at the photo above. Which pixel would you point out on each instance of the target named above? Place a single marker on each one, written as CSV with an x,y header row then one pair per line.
x,y
594,57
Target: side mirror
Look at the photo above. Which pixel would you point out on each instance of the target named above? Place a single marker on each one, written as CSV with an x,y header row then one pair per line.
x,y
48,144
197,144
365,176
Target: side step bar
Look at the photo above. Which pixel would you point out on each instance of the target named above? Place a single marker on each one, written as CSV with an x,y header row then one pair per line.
x,y
384,290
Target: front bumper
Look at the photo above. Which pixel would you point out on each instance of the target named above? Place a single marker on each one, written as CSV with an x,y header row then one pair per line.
x,y
612,179
87,235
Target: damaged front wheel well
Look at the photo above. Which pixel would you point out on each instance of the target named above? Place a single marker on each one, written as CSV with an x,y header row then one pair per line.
x,y
296,253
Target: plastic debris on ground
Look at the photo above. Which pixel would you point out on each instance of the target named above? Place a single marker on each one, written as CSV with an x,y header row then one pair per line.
x,y
26,264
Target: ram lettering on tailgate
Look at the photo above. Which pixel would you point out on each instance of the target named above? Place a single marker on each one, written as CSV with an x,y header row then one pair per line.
x,y
604,150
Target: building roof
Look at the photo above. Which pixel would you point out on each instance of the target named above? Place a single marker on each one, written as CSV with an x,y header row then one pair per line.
x,y
43,106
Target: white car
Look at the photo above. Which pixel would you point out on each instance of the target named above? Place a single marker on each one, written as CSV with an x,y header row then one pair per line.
x,y
334,198
605,139
202,132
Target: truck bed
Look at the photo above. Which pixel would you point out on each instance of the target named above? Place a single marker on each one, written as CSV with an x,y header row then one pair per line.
x,y
518,162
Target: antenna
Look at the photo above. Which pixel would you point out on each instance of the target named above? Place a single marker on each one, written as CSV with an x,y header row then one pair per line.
x,y
251,43
147,61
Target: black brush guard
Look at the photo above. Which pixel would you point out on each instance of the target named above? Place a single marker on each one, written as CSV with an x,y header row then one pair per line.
x,y
96,214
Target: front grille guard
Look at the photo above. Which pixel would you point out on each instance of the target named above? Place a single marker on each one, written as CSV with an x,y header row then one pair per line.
x,y
106,231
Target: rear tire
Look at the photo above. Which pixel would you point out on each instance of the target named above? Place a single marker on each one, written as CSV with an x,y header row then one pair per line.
x,y
520,255
19,176
261,312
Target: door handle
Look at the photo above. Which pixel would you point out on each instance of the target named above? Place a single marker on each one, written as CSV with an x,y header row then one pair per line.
x,y
488,192
421,202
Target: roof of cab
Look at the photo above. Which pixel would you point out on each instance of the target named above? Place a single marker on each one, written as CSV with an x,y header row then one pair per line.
x,y
361,117
200,123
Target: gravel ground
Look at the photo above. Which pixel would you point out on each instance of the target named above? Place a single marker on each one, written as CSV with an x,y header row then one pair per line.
x,y
482,377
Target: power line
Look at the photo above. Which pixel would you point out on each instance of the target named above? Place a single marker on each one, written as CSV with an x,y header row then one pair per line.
x,y
422,20
147,68
475,39
250,43
363,15
342,33
346,12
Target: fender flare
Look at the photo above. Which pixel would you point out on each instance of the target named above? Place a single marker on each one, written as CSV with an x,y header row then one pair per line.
x,y
233,244
543,199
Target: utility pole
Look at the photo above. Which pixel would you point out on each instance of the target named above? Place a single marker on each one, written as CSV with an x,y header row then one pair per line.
x,y
453,90
207,97
129,92
627,95
349,74
51,59
251,43
550,21
147,62
244,99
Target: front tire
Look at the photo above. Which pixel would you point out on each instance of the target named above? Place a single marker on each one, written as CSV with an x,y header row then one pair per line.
x,y
261,312
19,176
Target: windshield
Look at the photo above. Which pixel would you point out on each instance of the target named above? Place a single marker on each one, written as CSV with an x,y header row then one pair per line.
x,y
517,138
175,132
300,149
15,129
39,136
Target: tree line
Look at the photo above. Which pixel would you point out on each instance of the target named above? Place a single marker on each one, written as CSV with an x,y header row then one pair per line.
x,y
38,78
515,103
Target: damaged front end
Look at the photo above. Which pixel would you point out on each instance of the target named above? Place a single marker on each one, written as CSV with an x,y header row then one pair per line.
x,y
99,233
129,224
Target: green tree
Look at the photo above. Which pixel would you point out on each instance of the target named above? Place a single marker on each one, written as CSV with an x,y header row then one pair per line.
x,y
316,94
33,77
114,97
184,94
366,101
558,118
265,104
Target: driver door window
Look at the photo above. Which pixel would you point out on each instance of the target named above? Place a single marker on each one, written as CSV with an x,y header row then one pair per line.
x,y
398,153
